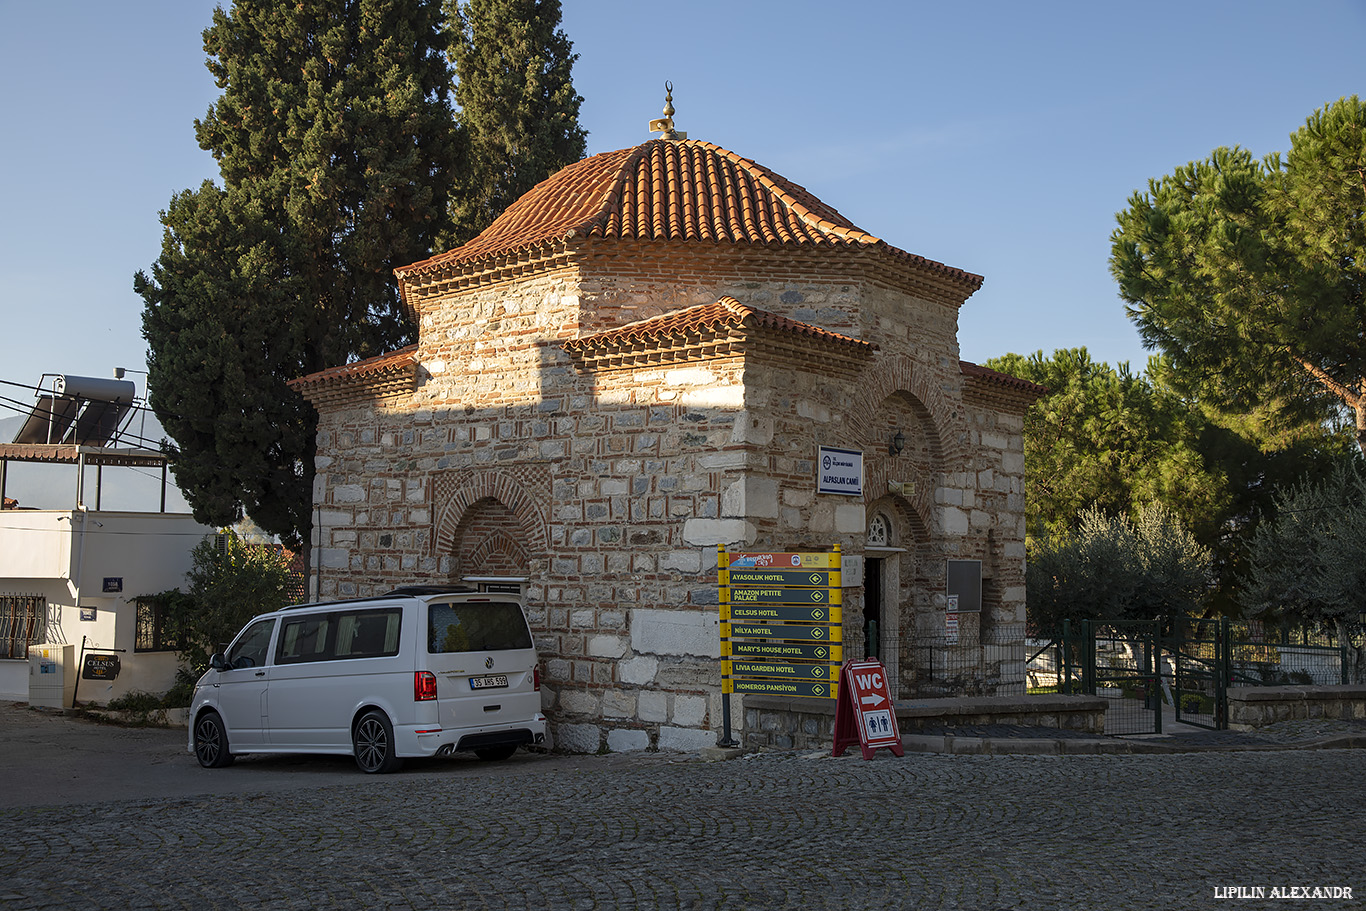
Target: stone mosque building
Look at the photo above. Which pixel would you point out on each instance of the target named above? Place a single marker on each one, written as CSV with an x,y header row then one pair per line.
x,y
641,360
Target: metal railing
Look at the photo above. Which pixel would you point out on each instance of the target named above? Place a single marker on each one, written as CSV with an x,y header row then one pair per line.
x,y
1185,663
989,663
22,622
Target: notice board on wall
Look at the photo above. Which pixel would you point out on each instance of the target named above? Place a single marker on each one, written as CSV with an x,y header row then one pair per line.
x,y
965,581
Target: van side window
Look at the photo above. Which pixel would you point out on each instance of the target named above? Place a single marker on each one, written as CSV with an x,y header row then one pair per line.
x,y
305,639
476,626
340,634
368,634
251,647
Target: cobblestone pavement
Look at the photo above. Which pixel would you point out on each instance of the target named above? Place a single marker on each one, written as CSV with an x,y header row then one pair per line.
x,y
772,830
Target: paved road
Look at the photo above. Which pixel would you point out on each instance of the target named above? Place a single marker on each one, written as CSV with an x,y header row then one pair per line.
x,y
784,830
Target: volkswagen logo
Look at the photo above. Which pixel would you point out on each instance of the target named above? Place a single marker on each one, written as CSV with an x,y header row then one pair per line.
x,y
488,662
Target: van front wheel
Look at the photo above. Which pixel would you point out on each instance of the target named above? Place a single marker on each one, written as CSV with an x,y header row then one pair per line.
x,y
211,741
373,741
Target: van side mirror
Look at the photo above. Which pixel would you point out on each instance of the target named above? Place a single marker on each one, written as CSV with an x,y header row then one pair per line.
x,y
218,662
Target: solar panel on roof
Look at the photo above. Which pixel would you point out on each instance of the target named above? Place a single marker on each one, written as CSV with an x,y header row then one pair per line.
x,y
81,410
98,423
49,421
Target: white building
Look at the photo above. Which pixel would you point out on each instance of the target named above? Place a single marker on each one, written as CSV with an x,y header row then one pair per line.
x,y
70,578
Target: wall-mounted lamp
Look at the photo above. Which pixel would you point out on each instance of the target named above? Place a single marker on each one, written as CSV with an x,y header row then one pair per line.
x,y
896,443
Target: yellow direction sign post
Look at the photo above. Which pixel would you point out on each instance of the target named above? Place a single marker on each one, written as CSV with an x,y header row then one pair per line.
x,y
781,631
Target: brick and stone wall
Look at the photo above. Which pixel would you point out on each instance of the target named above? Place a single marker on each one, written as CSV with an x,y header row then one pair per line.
x,y
806,724
1250,708
609,490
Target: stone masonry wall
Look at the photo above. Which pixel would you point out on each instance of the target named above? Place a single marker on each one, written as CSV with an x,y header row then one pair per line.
x,y
998,509
612,490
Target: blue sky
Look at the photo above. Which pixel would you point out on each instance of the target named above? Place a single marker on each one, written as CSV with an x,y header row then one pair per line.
x,y
999,138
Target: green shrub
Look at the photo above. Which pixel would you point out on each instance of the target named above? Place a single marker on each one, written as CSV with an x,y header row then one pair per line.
x,y
231,581
136,701
177,697
182,691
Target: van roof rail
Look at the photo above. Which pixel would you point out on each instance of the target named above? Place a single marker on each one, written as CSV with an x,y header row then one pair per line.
x,y
447,589
304,604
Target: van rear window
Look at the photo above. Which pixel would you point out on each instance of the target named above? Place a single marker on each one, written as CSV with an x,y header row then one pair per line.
x,y
476,626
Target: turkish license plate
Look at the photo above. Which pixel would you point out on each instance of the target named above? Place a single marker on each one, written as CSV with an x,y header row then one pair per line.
x,y
491,682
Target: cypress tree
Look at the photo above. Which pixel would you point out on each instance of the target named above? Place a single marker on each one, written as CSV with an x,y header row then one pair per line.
x,y
518,108
340,159
337,148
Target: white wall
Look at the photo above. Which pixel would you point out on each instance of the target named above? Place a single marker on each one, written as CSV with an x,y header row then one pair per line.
x,y
67,555
13,680
35,544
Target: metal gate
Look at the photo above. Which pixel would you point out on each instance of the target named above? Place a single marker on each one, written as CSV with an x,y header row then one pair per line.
x,y
1121,662
1200,671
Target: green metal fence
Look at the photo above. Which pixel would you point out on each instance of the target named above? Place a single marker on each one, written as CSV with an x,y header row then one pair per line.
x,y
1183,666
1199,668
989,664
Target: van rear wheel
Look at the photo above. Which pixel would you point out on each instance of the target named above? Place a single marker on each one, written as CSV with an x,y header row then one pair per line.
x,y
496,754
373,742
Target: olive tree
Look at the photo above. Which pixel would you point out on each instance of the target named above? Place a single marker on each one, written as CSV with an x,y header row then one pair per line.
x,y
1309,563
1112,568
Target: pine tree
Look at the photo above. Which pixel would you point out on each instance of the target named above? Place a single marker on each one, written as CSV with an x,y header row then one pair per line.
x,y
1251,275
1105,438
337,147
518,108
1109,440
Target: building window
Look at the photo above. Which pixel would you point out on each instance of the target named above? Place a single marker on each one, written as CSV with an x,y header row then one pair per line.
x,y
879,532
155,633
21,623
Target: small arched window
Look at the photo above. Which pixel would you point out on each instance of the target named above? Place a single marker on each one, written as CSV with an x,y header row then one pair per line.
x,y
879,532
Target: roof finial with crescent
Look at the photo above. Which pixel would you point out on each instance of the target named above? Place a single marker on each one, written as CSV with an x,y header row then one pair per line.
x,y
665,125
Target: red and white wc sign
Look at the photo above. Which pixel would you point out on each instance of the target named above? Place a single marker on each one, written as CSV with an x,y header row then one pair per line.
x,y
864,713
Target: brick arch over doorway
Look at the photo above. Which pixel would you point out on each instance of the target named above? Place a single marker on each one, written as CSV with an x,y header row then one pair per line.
x,y
902,376
921,463
917,505
489,522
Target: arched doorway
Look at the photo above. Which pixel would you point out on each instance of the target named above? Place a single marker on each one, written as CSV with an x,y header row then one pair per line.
x,y
881,620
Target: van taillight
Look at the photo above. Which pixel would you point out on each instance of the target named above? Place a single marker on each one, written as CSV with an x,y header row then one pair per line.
x,y
424,686
536,677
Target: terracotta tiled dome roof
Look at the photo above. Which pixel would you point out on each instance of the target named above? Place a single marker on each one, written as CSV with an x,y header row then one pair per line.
x,y
669,190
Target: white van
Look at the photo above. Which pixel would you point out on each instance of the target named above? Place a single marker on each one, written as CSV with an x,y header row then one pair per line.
x,y
422,671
